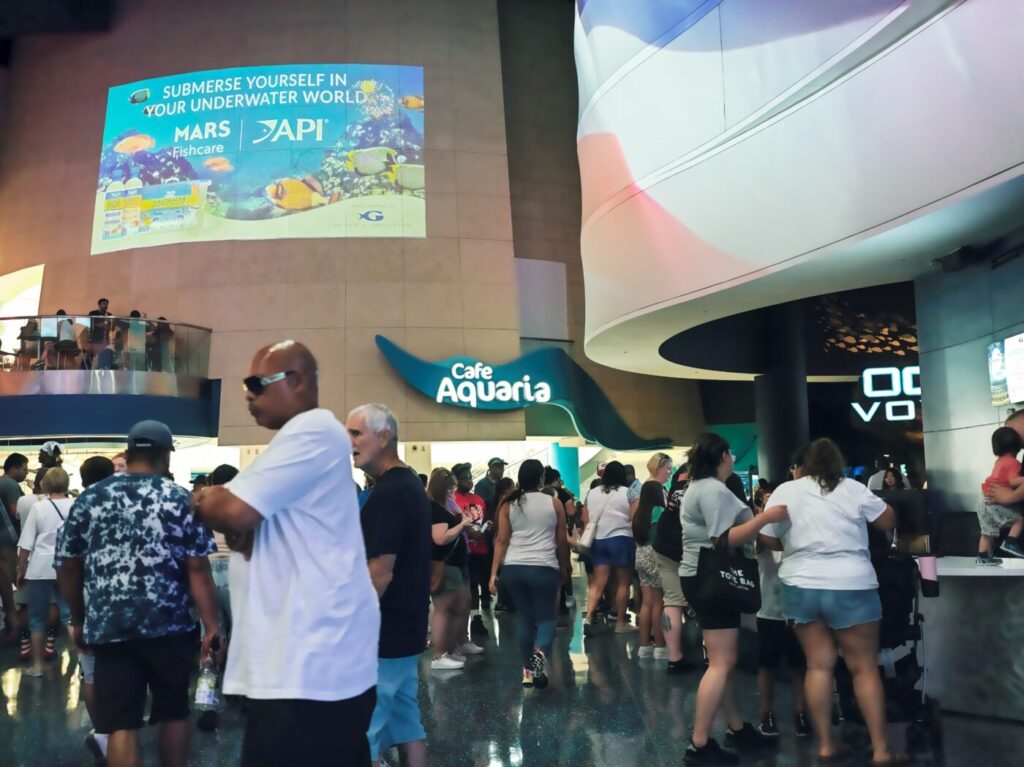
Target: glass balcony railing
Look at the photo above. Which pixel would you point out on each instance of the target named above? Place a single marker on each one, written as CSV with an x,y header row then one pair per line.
x,y
137,344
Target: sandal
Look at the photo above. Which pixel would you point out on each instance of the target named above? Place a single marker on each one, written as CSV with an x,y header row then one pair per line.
x,y
894,759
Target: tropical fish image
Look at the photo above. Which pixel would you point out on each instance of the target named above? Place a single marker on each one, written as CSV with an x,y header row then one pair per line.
x,y
411,177
414,103
140,96
218,164
140,142
370,162
294,194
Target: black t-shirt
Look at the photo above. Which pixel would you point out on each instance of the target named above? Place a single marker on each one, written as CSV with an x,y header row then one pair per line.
x,y
455,554
668,533
396,520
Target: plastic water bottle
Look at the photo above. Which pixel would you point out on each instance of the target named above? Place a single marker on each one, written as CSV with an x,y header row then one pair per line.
x,y
208,696
207,690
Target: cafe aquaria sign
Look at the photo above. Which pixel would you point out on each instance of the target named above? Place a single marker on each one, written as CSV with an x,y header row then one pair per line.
x,y
543,377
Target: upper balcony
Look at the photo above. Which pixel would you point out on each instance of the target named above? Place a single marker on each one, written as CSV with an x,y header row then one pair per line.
x,y
147,368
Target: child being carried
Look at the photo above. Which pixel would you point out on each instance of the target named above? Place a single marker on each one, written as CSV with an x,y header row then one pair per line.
x,y
992,517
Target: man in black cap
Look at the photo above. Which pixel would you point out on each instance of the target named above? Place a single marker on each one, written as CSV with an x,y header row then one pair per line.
x,y
485,488
133,543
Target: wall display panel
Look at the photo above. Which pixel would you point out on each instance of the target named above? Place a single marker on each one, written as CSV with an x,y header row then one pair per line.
x,y
262,153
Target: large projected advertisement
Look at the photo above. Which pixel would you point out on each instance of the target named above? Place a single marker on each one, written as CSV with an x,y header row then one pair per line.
x,y
258,153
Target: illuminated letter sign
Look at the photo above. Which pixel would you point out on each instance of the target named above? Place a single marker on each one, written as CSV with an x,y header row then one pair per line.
x,y
884,383
543,377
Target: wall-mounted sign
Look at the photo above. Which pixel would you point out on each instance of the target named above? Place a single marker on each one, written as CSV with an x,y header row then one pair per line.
x,y
263,153
543,377
1006,370
893,394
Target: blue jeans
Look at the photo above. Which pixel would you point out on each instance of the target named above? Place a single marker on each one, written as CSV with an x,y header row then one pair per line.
x,y
534,591
836,609
396,716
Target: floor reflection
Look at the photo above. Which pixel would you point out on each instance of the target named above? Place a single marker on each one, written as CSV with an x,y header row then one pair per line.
x,y
603,707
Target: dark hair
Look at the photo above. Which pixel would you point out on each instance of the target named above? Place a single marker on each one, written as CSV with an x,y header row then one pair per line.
x,y
762,483
531,477
895,475
551,475
135,313
222,475
824,463
61,313
651,494
424,479
706,455
14,460
95,469
1005,441
614,476
630,469
150,455
503,487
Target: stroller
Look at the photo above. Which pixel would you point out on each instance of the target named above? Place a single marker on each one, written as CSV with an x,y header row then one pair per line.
x,y
901,644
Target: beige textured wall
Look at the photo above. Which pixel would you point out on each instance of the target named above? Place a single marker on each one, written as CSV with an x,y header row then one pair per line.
x,y
452,293
541,100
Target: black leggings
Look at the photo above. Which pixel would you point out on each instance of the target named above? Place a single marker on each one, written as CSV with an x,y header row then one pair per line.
x,y
479,579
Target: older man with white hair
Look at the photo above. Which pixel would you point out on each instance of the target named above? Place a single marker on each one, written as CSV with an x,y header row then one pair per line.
x,y
396,528
306,621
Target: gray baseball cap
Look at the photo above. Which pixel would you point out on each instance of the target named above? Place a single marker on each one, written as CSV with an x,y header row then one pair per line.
x,y
150,434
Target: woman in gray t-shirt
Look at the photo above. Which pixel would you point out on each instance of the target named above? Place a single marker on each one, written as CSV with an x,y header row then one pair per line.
x,y
710,510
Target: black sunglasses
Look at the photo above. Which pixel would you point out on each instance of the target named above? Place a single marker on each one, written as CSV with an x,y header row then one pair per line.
x,y
258,384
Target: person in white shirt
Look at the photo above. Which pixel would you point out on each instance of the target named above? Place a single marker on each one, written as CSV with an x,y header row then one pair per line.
x,y
36,548
305,614
608,506
829,588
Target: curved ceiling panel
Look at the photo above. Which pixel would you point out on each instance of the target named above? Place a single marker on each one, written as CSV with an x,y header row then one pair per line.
x,y
754,153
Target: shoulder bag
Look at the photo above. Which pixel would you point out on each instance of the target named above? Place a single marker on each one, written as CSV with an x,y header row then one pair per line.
x,y
726,577
586,541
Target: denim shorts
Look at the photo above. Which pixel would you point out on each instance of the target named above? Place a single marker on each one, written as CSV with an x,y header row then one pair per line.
x,y
837,609
619,551
396,717
41,594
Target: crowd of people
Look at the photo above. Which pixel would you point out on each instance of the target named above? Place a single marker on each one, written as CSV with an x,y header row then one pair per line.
x,y
283,572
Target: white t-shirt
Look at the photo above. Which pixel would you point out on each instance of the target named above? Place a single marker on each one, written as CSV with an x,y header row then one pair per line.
x,y
709,509
306,616
825,539
25,504
611,511
39,535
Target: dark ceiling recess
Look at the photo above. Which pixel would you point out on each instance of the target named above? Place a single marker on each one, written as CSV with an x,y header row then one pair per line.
x,y
845,332
32,17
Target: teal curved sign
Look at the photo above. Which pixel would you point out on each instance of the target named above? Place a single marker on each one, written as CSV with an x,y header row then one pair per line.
x,y
542,377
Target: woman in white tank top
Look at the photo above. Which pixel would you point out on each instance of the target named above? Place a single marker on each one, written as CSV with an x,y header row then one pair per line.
x,y
532,553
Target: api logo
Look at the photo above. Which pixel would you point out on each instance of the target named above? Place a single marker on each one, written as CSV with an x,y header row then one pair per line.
x,y
371,215
293,130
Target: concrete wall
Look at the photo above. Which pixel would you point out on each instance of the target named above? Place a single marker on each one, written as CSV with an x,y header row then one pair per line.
x,y
958,316
541,102
452,293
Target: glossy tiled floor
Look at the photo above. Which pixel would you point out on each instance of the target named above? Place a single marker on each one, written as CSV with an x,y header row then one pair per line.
x,y
603,707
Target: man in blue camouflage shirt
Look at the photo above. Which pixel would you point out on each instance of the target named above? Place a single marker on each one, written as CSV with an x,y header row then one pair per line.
x,y
133,543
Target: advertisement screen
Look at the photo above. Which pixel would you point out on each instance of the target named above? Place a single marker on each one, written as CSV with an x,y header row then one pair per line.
x,y
262,153
1013,360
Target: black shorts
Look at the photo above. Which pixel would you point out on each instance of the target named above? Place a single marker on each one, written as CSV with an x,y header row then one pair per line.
x,y
124,672
712,616
308,732
777,640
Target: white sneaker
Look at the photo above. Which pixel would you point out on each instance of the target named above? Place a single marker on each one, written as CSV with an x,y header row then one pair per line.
x,y
660,653
646,651
469,649
570,602
457,656
446,663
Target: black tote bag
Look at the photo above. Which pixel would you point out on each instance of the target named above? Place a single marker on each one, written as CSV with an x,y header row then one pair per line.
x,y
727,578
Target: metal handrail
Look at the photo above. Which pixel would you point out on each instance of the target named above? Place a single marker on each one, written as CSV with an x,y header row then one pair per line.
x,y
105,317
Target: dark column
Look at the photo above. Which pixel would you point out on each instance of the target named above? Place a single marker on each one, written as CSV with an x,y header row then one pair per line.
x,y
780,395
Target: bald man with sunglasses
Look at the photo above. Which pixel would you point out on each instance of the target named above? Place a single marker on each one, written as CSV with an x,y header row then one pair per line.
x,y
305,613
